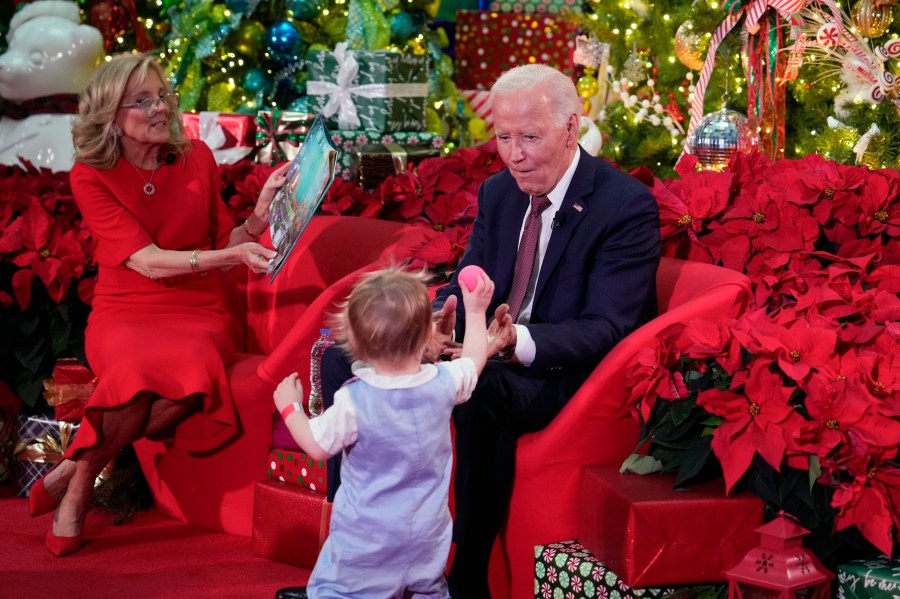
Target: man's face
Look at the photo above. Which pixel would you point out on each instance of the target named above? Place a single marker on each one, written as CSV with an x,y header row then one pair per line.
x,y
531,144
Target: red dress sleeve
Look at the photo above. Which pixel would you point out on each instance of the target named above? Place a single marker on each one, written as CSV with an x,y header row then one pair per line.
x,y
116,230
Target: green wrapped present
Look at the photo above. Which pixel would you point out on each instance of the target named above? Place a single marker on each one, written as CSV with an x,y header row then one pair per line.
x,y
351,142
877,578
373,90
568,570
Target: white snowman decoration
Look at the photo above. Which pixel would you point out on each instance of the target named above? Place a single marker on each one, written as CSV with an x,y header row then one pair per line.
x,y
51,55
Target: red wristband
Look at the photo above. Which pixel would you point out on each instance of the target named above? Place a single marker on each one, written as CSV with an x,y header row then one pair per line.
x,y
288,410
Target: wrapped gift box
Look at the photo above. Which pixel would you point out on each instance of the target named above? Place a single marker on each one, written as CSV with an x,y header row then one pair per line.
x,y
231,137
279,134
869,579
386,91
553,7
568,570
69,389
42,442
377,162
290,523
489,43
652,535
297,468
350,142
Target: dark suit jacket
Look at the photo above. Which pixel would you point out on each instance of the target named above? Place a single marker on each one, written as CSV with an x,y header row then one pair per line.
x,y
598,278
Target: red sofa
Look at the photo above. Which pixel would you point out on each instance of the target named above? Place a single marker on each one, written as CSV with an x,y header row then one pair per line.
x,y
276,325
596,426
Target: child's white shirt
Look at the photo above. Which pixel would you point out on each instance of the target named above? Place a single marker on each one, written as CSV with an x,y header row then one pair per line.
x,y
335,429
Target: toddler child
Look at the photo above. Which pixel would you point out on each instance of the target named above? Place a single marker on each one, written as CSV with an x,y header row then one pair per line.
x,y
390,524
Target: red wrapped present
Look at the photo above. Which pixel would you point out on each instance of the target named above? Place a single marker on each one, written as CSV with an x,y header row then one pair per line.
x,y
69,389
231,137
290,523
297,468
489,43
652,535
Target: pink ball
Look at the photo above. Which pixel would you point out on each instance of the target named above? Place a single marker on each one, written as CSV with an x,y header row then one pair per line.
x,y
469,276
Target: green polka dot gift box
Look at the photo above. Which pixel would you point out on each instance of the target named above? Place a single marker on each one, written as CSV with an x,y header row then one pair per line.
x,y
552,7
297,468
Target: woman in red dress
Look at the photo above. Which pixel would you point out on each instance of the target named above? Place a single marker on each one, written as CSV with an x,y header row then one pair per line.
x,y
158,337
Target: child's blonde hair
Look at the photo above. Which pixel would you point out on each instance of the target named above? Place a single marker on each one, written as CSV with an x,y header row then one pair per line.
x,y
387,317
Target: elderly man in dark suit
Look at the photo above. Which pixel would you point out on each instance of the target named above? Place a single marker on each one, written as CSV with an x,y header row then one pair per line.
x,y
572,245
588,278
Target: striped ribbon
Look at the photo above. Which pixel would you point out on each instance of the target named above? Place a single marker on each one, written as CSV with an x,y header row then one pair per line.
x,y
735,9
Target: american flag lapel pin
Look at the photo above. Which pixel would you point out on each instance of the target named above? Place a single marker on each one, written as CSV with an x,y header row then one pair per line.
x,y
578,207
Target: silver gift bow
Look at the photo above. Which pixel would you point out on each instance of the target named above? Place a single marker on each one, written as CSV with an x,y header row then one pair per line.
x,y
341,94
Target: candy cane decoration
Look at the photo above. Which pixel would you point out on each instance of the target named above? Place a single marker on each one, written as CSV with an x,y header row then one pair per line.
x,y
754,12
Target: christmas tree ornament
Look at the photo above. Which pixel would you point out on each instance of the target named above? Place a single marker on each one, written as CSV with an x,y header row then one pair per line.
x,y
402,25
256,80
283,41
587,86
718,137
633,68
237,5
249,38
304,10
871,18
689,46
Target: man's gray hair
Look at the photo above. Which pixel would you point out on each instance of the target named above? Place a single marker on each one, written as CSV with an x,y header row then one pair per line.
x,y
527,78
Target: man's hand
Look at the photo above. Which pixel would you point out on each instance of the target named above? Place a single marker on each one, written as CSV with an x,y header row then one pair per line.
x,y
501,332
444,323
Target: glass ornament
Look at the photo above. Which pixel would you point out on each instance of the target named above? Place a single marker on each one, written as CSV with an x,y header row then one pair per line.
x,y
305,10
237,5
256,80
284,41
689,46
249,38
871,20
402,25
719,136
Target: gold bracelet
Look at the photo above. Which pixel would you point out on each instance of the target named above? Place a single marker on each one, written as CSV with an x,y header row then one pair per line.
x,y
246,227
195,264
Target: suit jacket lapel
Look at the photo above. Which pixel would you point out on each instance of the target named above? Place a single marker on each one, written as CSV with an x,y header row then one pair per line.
x,y
575,209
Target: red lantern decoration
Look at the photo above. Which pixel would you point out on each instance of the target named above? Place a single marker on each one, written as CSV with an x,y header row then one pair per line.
x,y
781,567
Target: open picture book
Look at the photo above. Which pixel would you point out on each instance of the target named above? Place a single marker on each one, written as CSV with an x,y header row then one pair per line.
x,y
307,181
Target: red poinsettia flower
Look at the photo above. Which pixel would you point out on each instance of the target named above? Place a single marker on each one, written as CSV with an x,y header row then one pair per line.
x,y
651,376
441,248
870,499
824,181
876,208
757,418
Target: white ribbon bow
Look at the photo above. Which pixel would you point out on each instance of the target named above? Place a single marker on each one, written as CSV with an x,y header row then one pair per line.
x,y
863,144
212,134
341,94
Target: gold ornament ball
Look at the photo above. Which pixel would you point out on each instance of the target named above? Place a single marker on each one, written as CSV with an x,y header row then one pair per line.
x,y
250,38
587,86
871,21
690,45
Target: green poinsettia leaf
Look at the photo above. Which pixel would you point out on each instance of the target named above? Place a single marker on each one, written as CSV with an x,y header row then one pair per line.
x,y
640,464
815,471
694,461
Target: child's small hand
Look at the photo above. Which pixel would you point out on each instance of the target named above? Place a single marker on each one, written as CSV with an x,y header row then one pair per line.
x,y
479,298
288,391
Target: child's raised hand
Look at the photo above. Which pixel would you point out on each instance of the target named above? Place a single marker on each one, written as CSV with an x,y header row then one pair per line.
x,y
477,297
288,391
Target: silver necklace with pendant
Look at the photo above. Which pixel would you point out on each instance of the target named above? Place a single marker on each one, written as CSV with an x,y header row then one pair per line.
x,y
149,187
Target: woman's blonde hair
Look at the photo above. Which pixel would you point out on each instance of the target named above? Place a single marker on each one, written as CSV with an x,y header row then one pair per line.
x,y
387,316
96,143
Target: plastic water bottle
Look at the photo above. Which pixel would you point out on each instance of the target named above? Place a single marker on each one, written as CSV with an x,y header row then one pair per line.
x,y
325,340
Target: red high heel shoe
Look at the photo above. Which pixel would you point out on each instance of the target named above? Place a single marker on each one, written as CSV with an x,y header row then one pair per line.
x,y
60,546
39,500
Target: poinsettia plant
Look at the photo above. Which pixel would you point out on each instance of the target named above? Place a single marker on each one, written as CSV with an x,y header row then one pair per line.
x,y
799,399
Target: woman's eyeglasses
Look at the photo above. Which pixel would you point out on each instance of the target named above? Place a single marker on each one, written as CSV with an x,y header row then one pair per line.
x,y
150,106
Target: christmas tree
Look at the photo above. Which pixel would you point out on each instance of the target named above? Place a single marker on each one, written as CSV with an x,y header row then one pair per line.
x,y
656,57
